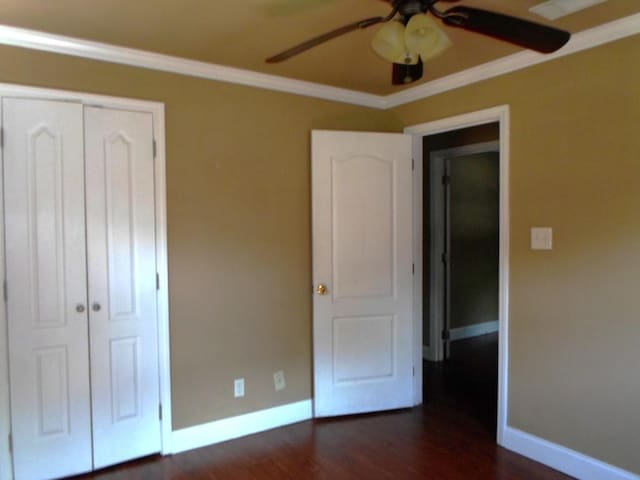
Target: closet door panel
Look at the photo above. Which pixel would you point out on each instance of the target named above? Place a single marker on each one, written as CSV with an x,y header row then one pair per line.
x,y
122,284
47,293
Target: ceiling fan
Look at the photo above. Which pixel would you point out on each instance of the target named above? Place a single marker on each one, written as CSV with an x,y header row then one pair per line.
x,y
410,35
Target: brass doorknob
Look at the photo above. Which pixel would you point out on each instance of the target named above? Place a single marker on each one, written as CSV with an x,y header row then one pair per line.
x,y
321,290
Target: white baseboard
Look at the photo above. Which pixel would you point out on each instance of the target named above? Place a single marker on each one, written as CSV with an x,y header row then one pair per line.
x,y
235,427
474,330
561,458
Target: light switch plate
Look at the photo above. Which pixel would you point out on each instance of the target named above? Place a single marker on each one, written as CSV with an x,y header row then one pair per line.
x,y
541,238
238,387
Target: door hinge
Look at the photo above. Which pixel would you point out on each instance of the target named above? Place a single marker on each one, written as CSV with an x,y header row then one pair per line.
x,y
413,268
5,291
157,281
10,443
414,371
160,411
444,257
155,148
446,335
446,179
1,136
413,164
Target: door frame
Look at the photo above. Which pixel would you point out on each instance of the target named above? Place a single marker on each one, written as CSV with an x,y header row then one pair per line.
x,y
500,114
156,109
437,274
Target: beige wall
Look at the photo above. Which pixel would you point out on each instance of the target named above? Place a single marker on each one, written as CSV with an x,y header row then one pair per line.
x,y
238,172
575,317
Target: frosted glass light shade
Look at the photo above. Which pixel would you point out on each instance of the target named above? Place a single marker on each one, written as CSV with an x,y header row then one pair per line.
x,y
389,44
423,36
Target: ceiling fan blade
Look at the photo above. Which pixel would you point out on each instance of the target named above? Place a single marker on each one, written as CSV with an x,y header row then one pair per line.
x,y
525,33
314,42
404,74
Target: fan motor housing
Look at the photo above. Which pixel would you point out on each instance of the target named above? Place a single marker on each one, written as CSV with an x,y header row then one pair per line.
x,y
411,7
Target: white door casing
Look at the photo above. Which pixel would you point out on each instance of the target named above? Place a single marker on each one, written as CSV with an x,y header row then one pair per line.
x,y
47,293
362,253
122,285
500,114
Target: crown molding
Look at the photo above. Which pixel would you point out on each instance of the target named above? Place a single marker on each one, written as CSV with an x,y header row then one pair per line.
x,y
35,40
608,32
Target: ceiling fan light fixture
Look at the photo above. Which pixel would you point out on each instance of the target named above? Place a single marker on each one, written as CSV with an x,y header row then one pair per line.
x,y
423,36
408,48
389,44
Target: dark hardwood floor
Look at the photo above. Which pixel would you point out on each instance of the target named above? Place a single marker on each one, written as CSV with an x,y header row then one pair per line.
x,y
450,437
468,380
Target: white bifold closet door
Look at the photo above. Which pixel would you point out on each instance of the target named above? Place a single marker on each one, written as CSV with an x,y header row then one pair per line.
x,y
122,285
47,288
81,286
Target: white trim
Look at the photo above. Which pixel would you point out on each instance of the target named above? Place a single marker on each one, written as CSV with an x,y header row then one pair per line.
x,y
89,99
438,272
593,37
417,272
503,305
563,459
20,37
32,39
157,111
496,114
162,269
6,461
476,330
240,426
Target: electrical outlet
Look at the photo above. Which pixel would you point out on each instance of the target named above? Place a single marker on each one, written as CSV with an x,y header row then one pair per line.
x,y
278,380
238,387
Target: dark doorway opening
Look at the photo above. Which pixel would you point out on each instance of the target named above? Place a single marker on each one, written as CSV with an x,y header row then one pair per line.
x,y
460,302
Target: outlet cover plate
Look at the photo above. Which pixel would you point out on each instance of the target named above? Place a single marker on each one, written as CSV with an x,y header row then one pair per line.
x,y
278,381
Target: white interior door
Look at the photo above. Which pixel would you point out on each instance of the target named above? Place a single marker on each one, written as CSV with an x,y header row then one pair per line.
x,y
122,284
47,293
362,272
